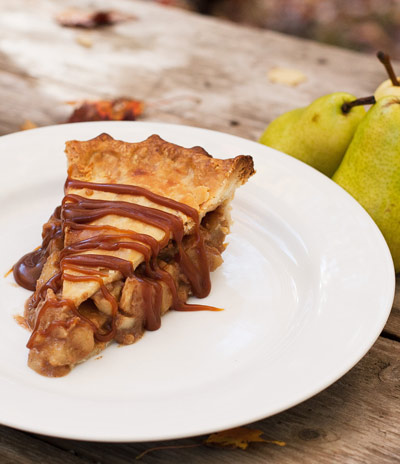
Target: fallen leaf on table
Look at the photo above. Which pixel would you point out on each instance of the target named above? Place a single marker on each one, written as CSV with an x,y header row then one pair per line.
x,y
91,19
291,77
239,437
167,447
120,109
27,124
84,40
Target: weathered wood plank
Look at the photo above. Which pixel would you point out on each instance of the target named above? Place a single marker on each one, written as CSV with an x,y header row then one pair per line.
x,y
356,420
166,53
21,448
393,324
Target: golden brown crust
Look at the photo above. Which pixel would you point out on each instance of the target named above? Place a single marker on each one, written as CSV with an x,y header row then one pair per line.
x,y
187,175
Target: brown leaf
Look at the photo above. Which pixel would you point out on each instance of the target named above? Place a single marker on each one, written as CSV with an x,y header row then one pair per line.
x,y
239,437
168,447
91,19
84,40
120,109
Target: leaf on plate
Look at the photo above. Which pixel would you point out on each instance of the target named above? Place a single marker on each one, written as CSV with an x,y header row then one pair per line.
x,y
120,109
75,17
27,124
286,76
239,437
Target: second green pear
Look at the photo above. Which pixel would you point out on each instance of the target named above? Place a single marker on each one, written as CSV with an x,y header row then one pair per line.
x,y
370,170
318,134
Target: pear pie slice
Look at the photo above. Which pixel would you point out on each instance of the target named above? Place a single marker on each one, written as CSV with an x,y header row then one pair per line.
x,y
139,229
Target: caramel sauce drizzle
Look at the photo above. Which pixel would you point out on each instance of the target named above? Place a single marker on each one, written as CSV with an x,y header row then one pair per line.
x,y
28,269
77,213
50,303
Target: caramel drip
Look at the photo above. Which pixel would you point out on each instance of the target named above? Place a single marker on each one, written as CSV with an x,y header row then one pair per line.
x,y
101,337
53,284
135,190
50,303
103,261
152,297
78,213
114,242
198,278
28,269
86,270
83,210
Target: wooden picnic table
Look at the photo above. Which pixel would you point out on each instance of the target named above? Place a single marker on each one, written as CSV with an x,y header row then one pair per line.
x,y
204,72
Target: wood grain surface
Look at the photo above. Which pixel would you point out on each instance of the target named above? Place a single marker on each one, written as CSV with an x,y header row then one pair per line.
x,y
203,72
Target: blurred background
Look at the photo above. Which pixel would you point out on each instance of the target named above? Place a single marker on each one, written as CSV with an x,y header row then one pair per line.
x,y
363,25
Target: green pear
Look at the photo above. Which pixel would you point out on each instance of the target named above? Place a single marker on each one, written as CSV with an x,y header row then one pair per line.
x,y
392,85
370,170
387,88
318,134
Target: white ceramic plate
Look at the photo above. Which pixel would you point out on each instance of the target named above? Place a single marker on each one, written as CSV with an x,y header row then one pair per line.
x,y
307,285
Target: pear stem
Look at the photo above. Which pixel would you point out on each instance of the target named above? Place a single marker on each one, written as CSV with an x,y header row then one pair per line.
x,y
347,106
384,58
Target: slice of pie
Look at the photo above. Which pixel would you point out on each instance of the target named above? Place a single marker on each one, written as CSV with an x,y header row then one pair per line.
x,y
139,230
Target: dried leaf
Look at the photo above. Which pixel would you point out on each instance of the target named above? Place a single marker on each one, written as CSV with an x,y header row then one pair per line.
x,y
286,76
121,109
27,124
91,19
84,40
239,437
168,447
